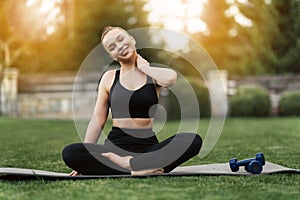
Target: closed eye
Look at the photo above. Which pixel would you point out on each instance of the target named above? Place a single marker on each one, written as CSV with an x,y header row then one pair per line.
x,y
111,47
120,38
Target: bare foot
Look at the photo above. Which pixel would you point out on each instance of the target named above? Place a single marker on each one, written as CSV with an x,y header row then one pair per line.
x,y
147,172
74,173
124,163
119,160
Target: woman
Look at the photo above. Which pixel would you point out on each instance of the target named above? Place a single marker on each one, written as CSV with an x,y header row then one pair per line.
x,y
131,92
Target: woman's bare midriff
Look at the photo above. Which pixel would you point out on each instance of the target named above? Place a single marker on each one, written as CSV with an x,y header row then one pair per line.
x,y
133,123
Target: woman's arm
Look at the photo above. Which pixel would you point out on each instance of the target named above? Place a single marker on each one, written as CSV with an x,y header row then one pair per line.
x,y
99,117
165,77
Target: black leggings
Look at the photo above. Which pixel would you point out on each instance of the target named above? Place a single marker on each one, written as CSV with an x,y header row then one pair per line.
x,y
142,144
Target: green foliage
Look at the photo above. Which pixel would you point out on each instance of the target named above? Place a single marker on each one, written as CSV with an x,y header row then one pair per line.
x,y
250,101
184,95
290,60
269,46
273,37
73,40
218,43
289,103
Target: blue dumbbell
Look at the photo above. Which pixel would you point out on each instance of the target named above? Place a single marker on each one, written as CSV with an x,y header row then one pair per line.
x,y
252,165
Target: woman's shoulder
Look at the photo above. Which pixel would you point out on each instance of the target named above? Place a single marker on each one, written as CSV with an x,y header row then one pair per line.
x,y
108,78
109,74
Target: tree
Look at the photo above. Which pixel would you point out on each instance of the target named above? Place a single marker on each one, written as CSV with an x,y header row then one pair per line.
x,y
290,59
260,58
75,37
253,37
223,41
273,36
25,27
90,17
10,50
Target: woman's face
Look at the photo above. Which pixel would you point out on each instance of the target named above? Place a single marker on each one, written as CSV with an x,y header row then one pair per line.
x,y
119,44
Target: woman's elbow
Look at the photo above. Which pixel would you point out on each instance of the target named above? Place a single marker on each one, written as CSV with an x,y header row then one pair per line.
x,y
172,78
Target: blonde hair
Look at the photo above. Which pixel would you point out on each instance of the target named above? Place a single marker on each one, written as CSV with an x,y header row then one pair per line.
x,y
106,29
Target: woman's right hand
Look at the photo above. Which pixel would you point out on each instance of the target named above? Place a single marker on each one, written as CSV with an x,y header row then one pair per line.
x,y
74,173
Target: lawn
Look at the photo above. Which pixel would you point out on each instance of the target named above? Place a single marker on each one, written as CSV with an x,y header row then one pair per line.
x,y
38,143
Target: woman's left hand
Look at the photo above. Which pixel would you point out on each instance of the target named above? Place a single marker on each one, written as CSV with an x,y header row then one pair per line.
x,y
162,76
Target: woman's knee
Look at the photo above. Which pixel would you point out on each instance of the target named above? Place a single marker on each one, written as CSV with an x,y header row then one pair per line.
x,y
195,142
194,137
70,151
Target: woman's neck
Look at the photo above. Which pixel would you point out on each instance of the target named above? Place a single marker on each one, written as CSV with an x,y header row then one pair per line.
x,y
129,64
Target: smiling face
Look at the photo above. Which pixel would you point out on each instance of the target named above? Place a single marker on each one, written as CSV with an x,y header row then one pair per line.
x,y
119,44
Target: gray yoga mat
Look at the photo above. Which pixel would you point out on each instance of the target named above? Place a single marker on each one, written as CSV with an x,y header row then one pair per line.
x,y
196,170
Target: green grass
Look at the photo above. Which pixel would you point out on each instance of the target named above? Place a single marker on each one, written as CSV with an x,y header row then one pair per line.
x,y
38,144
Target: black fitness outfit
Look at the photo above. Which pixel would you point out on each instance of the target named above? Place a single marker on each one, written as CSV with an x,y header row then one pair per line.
x,y
142,144
126,103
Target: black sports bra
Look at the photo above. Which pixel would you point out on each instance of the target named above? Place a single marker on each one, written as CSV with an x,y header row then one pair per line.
x,y
126,103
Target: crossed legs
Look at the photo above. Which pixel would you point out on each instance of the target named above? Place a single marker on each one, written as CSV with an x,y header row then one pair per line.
x,y
96,159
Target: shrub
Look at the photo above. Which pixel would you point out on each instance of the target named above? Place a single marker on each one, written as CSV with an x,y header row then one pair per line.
x,y
289,103
250,101
184,94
